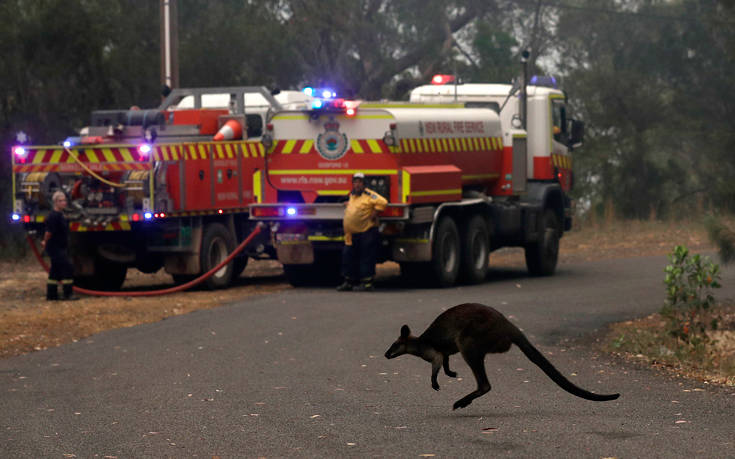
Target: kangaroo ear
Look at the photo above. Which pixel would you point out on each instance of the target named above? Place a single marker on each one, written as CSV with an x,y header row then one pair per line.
x,y
405,331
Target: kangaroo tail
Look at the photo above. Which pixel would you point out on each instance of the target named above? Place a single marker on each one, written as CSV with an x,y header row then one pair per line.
x,y
520,340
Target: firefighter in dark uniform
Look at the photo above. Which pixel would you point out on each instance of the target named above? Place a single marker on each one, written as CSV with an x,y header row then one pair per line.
x,y
361,236
55,242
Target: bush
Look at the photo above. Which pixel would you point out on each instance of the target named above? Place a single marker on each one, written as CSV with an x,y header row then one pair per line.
x,y
690,281
723,237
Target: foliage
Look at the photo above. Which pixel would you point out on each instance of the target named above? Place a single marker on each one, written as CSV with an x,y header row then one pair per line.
x,y
690,281
723,237
651,79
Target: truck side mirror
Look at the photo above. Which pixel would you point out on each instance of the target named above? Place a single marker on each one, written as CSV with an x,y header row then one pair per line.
x,y
576,138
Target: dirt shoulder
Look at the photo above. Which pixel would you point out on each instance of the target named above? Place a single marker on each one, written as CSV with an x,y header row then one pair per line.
x,y
29,323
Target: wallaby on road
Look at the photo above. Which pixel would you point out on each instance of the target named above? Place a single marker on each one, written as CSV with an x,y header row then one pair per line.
x,y
475,330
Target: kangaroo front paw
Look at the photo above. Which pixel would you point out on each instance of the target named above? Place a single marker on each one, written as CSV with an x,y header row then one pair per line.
x,y
451,374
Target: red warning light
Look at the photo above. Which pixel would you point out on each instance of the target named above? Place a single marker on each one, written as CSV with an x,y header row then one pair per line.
x,y
442,79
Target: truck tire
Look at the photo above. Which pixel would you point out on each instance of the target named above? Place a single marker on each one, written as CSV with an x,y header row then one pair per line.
x,y
239,265
217,244
444,265
542,255
475,250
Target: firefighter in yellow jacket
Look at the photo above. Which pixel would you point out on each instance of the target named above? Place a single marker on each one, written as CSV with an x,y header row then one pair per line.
x,y
361,236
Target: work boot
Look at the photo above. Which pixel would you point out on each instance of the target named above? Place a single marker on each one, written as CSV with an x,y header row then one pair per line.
x,y
366,286
69,293
52,292
345,286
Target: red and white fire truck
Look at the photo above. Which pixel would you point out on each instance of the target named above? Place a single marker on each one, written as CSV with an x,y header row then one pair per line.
x,y
166,187
466,168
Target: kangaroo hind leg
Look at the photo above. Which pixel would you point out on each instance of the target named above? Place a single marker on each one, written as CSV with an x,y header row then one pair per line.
x,y
476,362
447,371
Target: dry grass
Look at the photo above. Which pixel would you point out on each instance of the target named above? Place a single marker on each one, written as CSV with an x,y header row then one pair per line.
x,y
647,340
28,322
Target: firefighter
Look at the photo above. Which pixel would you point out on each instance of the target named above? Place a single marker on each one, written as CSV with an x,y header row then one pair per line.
x,y
361,236
55,242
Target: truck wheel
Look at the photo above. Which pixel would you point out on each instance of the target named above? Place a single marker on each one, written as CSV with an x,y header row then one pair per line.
x,y
238,266
217,244
475,251
542,255
444,265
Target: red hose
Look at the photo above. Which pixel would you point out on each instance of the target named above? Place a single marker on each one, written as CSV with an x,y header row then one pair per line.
x,y
165,291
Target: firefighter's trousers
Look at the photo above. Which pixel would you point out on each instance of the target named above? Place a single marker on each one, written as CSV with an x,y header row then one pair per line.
x,y
358,259
61,272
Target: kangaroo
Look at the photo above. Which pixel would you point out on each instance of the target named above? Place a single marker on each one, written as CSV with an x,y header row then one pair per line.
x,y
476,330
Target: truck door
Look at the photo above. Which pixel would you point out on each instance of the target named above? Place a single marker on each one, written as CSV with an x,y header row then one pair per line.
x,y
561,160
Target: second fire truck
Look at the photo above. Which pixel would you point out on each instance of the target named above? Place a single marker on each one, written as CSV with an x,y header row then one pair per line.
x,y
466,168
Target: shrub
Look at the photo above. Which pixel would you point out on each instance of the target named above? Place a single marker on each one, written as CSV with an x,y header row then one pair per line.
x,y
690,282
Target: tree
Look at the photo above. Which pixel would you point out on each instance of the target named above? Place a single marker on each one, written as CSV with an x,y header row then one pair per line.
x,y
361,47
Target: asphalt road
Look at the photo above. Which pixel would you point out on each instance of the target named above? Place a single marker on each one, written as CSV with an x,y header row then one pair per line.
x,y
302,373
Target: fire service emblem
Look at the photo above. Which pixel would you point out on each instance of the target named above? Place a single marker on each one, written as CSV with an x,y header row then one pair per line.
x,y
331,144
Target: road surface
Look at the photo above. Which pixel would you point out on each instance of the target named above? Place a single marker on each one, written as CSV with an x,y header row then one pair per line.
x,y
302,373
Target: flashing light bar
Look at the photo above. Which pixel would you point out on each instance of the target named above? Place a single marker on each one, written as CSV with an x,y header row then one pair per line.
x,y
71,141
544,80
324,93
147,215
348,107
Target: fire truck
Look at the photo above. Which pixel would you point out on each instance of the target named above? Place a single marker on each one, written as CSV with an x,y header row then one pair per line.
x,y
466,168
166,187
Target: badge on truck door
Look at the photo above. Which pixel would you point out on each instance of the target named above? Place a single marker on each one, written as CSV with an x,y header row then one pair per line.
x,y
331,144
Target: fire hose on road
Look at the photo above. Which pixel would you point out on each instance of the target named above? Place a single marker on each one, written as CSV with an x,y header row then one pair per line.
x,y
165,291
